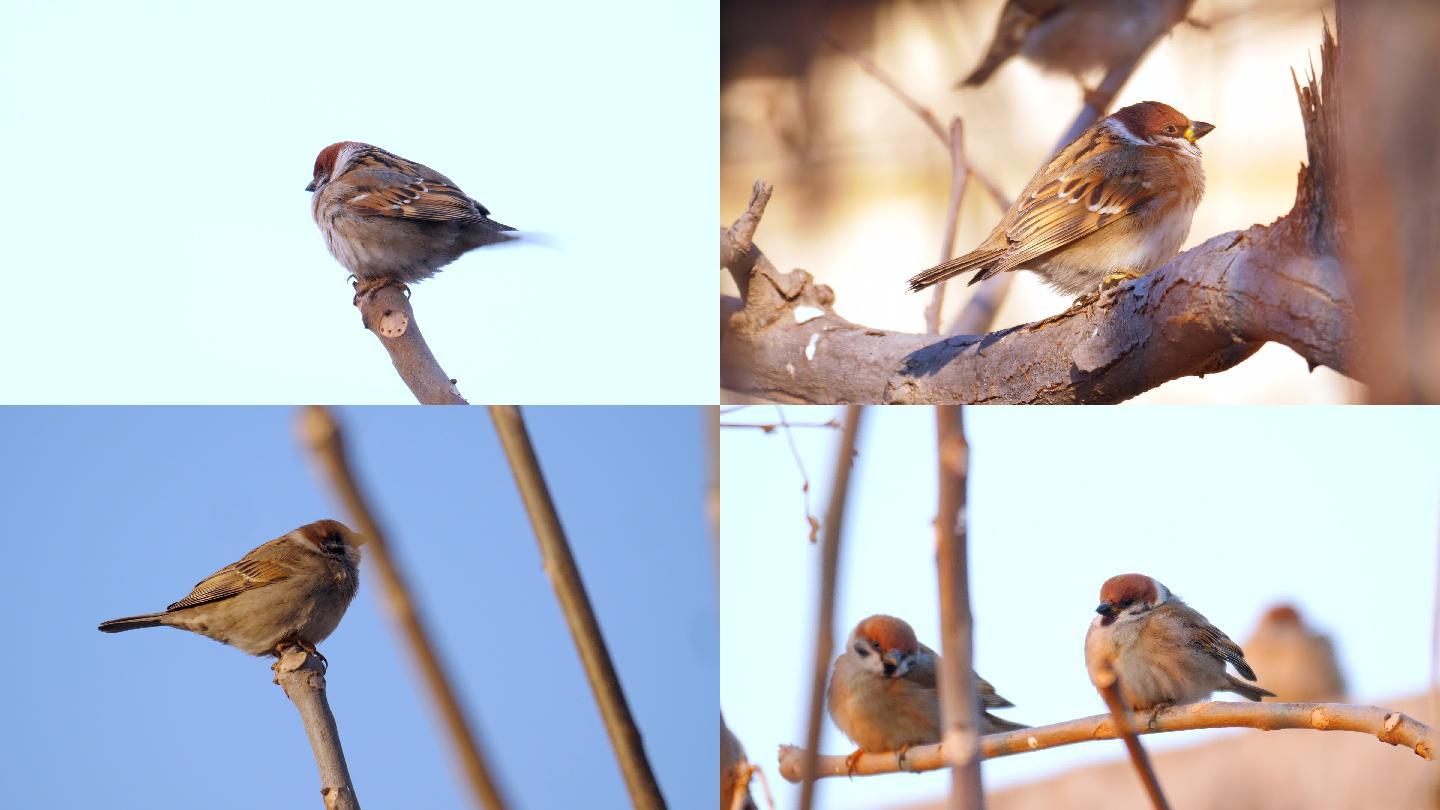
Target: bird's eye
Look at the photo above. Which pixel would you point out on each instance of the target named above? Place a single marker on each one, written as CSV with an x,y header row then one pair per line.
x,y
860,649
1170,129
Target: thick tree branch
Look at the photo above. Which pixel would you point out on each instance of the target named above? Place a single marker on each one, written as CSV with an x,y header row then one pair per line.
x,y
1395,728
302,676
575,605
1206,311
386,312
322,435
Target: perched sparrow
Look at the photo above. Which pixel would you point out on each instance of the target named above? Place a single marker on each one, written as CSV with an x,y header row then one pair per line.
x,y
1163,651
389,220
1076,36
1299,663
883,693
1115,203
292,590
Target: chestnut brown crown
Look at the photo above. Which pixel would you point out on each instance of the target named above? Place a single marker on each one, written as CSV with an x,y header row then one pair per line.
x,y
1150,120
1126,589
889,632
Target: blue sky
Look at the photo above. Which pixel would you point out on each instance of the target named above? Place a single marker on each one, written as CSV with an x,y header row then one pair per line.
x,y
116,511
159,152
1232,508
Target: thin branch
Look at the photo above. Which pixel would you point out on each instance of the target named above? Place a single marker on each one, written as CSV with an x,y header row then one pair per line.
x,y
302,676
321,433
386,312
1107,682
924,113
825,609
959,713
959,180
1392,727
575,604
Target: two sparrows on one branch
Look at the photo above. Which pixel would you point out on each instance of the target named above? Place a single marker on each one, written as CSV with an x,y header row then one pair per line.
x,y
883,692
392,221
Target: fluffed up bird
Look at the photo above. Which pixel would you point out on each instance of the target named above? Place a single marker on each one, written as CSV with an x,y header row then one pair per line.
x,y
1299,663
392,221
1114,204
883,691
291,590
1163,651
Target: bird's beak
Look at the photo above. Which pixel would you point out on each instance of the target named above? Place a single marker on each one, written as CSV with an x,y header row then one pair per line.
x,y
311,187
890,665
1197,130
1106,609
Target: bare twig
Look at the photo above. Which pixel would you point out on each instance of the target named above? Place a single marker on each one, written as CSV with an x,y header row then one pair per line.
x,y
1103,675
924,113
387,313
302,677
960,729
1392,727
575,604
959,179
322,435
825,610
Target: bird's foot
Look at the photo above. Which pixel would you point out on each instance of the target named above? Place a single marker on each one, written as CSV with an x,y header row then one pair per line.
x,y
1094,97
1155,714
900,756
853,761
365,288
1109,282
303,645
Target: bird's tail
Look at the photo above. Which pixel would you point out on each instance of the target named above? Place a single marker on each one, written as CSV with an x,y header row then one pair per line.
x,y
132,623
1015,22
1249,691
997,725
974,260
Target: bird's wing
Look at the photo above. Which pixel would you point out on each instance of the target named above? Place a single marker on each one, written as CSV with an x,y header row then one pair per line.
x,y
922,671
1068,206
1211,640
385,193
234,579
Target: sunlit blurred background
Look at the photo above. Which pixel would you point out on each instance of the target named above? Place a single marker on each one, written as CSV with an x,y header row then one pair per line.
x,y
861,185
1330,511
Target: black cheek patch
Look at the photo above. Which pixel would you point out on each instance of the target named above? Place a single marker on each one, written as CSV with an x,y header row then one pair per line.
x,y
1106,621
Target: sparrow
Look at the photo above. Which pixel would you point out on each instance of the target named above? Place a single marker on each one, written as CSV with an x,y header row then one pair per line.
x,y
1114,204
883,693
291,590
1162,650
1076,36
1299,663
392,221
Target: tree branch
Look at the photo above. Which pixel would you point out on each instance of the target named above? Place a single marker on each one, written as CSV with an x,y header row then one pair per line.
x,y
825,609
1392,727
959,712
1107,683
320,432
302,677
386,312
1205,311
575,604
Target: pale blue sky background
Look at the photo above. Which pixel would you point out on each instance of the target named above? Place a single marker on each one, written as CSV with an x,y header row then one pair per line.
x,y
163,247
1234,509
110,512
